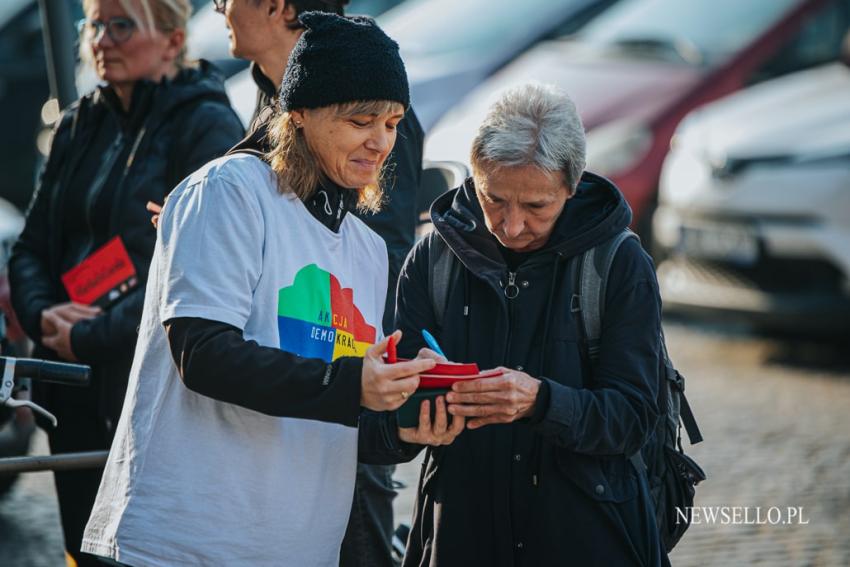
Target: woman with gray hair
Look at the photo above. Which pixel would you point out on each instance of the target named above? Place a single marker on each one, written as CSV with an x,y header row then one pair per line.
x,y
541,475
156,118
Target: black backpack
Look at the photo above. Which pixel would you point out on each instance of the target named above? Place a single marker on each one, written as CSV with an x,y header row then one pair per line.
x,y
672,474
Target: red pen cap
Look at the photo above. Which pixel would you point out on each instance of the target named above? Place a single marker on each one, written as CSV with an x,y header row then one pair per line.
x,y
391,352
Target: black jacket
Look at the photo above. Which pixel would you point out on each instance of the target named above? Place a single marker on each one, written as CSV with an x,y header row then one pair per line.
x,y
556,489
171,129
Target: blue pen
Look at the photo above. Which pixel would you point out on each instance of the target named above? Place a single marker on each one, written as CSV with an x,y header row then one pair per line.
x,y
432,343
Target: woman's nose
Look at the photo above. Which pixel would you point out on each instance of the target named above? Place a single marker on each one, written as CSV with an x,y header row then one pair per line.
x,y
513,224
101,39
381,140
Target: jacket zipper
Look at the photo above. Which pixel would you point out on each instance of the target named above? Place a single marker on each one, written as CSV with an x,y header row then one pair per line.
x,y
339,211
119,187
511,293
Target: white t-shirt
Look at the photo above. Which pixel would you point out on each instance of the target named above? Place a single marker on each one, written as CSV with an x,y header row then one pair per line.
x,y
191,480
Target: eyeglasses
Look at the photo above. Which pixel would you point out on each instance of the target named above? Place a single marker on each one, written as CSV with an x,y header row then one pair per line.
x,y
220,6
119,29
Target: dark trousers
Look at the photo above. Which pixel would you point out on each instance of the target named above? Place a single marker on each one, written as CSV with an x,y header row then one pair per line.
x,y
77,489
368,537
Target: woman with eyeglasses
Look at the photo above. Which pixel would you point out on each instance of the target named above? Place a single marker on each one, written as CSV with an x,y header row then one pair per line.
x,y
79,269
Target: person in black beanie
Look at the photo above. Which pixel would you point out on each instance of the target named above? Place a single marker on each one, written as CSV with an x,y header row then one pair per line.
x,y
259,371
265,32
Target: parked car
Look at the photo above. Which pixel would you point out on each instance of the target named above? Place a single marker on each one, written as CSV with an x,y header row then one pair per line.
x,y
753,218
449,47
638,68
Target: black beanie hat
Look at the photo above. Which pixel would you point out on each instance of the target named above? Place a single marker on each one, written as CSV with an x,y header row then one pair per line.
x,y
338,60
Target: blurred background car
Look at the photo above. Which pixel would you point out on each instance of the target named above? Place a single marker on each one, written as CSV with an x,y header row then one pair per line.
x,y
753,221
449,47
638,68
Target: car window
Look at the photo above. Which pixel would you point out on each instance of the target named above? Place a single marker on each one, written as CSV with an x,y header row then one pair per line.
x,y
711,29
470,27
818,41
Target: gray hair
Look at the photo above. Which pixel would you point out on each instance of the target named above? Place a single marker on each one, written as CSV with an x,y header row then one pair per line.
x,y
535,125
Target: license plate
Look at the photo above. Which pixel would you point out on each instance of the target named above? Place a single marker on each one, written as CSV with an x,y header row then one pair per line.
x,y
724,242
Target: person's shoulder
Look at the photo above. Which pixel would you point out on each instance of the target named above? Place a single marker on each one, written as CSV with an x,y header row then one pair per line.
x,y
632,265
213,107
239,171
241,167
418,259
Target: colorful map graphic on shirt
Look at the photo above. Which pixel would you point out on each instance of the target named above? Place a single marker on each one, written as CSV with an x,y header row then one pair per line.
x,y
317,318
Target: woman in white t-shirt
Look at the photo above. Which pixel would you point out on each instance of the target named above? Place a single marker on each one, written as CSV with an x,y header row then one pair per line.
x,y
259,352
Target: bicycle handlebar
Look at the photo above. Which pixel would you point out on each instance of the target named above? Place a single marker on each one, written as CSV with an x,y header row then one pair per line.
x,y
48,371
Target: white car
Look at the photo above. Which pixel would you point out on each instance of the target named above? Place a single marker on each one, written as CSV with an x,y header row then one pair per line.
x,y
753,218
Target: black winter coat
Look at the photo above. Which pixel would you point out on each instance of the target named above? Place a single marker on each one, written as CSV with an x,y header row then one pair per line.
x,y
556,489
172,129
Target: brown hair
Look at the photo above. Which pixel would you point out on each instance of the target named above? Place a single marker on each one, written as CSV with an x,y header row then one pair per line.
x,y
298,171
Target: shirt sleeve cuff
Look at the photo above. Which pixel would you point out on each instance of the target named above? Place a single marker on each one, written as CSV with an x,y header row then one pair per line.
x,y
344,375
541,404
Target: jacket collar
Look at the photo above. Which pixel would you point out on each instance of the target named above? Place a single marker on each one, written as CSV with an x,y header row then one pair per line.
x,y
329,204
597,212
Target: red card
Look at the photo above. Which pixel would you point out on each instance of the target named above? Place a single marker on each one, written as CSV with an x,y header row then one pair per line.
x,y
104,277
430,381
444,374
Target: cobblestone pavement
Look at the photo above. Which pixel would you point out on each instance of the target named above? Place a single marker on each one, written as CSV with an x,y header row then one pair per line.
x,y
775,416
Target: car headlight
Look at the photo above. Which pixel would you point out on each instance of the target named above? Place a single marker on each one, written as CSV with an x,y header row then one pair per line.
x,y
616,146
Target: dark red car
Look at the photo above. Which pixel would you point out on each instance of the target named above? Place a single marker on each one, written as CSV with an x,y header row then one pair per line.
x,y
638,68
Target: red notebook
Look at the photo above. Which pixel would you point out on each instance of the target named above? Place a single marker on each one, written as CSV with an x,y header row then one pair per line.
x,y
104,277
444,374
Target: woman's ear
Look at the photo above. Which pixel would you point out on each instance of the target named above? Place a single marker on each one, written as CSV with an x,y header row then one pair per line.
x,y
289,13
297,117
281,10
176,41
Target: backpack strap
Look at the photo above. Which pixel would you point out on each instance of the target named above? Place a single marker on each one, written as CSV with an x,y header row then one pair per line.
x,y
689,421
591,270
677,383
441,268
